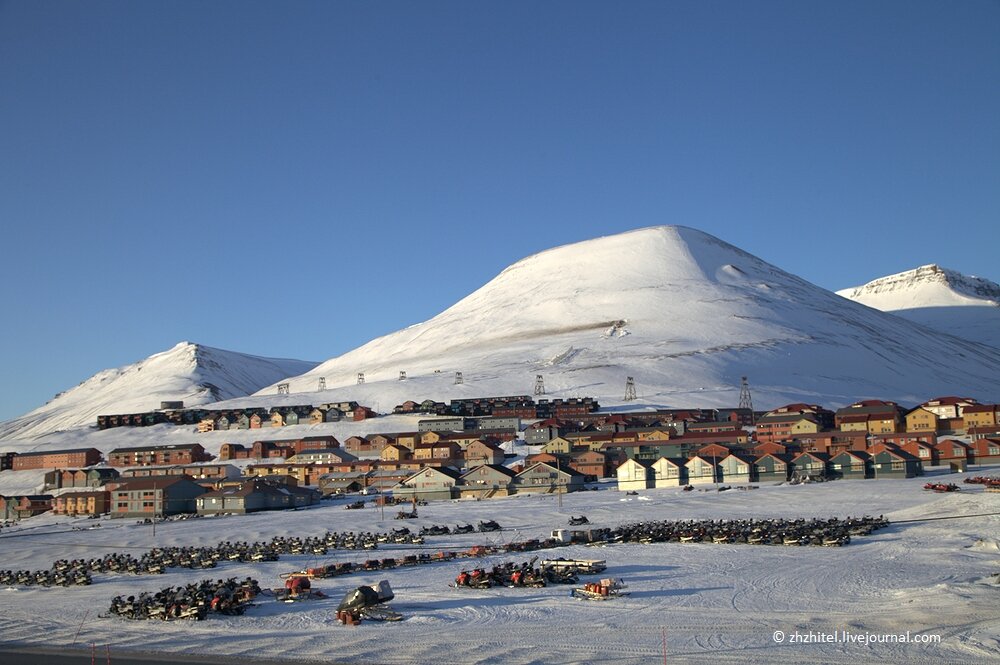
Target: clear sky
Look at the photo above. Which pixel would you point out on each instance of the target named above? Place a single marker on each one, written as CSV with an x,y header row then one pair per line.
x,y
293,179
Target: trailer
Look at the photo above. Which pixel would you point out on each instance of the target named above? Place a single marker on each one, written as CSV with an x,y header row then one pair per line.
x,y
579,566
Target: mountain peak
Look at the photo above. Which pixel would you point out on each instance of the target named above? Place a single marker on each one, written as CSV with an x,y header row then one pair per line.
x,y
680,311
925,286
188,372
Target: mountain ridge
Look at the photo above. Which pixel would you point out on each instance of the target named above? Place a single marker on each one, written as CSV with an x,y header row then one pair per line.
x,y
938,298
189,372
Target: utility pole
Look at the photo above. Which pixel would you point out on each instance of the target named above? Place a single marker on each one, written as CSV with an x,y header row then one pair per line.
x,y
539,385
558,484
154,512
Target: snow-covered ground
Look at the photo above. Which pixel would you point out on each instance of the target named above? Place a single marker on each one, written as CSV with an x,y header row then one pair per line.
x,y
720,603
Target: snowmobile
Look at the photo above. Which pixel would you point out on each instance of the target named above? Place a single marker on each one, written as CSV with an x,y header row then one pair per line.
x,y
368,602
488,525
434,530
355,505
476,579
406,515
466,528
577,521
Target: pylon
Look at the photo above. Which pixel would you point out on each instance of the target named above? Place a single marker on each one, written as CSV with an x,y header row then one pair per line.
x,y
459,378
629,389
322,383
746,402
361,378
539,385
402,375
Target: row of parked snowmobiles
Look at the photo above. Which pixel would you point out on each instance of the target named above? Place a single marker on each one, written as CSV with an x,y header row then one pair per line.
x,y
832,532
154,562
193,601
438,530
507,574
68,577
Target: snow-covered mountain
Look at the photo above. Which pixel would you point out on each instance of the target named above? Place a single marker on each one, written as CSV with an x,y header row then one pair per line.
x,y
681,311
190,372
939,298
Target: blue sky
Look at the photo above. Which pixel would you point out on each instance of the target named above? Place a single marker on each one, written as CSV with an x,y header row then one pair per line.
x,y
294,179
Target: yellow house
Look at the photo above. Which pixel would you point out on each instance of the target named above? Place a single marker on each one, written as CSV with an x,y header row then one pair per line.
x,y
654,435
804,426
881,425
558,445
981,416
298,471
410,439
395,453
430,437
277,420
921,420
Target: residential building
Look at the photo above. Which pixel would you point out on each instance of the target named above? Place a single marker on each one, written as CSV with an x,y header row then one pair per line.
x,y
181,453
157,496
634,475
94,502
56,459
255,495
486,481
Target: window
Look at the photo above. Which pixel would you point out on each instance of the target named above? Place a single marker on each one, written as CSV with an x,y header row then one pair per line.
x,y
924,452
897,466
994,450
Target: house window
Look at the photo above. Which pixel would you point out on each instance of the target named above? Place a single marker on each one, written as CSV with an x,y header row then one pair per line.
x,y
994,450
924,452
958,452
897,466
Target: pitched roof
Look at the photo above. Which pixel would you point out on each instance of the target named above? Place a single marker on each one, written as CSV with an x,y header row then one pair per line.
x,y
495,467
154,483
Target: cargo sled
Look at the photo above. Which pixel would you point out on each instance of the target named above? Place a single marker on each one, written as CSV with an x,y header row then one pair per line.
x,y
606,589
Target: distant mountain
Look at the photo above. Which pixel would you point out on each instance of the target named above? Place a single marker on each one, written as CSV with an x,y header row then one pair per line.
x,y
190,372
684,313
939,298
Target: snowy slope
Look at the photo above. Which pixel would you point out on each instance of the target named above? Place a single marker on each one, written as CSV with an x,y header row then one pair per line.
x,y
190,372
939,298
683,312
